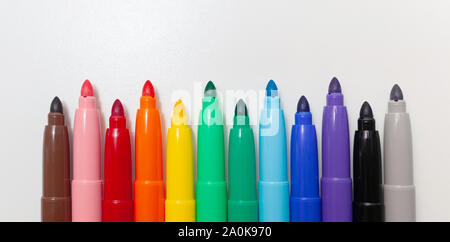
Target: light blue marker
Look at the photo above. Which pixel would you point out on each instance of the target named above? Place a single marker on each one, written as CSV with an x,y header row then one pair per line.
x,y
273,182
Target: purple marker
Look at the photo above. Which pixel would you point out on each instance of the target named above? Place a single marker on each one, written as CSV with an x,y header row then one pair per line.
x,y
336,181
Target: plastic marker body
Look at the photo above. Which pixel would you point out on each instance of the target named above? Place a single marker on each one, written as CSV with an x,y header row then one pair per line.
x,y
148,185
305,199
56,201
336,181
242,202
273,182
180,203
399,189
367,174
87,181
118,203
211,185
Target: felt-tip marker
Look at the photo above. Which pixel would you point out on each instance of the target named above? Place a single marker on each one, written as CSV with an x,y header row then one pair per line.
x,y
242,202
149,184
273,181
367,173
336,181
180,202
118,203
56,200
87,180
211,185
305,200
399,189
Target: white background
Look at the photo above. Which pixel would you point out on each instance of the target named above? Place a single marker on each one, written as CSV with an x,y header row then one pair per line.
x,y
48,48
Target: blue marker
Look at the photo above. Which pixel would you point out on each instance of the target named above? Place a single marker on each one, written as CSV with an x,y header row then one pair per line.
x,y
273,182
305,200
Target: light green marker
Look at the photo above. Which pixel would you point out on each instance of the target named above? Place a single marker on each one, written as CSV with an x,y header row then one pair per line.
x,y
211,185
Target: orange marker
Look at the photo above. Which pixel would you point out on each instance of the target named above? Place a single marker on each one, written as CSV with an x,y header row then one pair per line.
x,y
149,185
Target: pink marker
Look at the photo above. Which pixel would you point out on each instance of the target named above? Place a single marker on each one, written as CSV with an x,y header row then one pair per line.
x,y
87,180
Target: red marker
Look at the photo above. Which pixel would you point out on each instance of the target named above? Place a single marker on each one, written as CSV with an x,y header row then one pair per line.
x,y
118,203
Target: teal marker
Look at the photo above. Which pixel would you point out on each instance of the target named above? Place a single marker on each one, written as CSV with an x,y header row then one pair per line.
x,y
242,203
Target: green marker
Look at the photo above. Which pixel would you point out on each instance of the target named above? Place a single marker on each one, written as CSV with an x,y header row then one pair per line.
x,y
242,203
211,185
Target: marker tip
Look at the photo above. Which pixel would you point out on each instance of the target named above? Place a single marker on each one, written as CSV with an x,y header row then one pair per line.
x,y
396,93
303,105
86,89
56,106
271,89
241,108
178,108
366,111
148,90
210,90
335,86
117,109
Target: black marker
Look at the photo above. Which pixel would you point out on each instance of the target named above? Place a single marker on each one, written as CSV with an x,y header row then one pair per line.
x,y
368,203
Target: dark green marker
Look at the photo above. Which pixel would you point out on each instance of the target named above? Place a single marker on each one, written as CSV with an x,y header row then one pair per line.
x,y
242,203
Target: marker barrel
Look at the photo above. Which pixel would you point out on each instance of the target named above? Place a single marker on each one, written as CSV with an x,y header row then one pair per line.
x,y
149,198
180,203
211,185
242,203
56,200
305,200
367,174
336,182
399,189
87,181
273,183
118,203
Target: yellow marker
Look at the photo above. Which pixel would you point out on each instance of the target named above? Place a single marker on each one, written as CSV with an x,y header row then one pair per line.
x,y
180,202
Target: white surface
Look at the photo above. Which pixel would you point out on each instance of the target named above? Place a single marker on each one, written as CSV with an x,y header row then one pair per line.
x,y
48,48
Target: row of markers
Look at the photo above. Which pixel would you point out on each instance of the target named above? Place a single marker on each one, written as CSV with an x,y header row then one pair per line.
x,y
88,198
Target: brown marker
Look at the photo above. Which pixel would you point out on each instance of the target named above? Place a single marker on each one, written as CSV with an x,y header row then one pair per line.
x,y
56,200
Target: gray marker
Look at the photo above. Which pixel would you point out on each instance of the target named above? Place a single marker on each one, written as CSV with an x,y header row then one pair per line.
x,y
399,189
